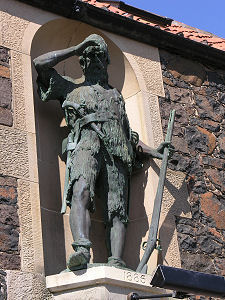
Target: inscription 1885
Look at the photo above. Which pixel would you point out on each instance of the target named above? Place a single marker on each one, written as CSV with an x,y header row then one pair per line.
x,y
137,277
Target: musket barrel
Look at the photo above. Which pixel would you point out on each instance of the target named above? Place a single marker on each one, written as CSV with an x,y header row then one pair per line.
x,y
153,230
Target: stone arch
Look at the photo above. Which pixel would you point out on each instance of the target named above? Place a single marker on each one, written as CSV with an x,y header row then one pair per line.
x,y
51,129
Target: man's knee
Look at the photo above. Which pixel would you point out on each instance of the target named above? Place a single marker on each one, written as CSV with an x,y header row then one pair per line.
x,y
81,192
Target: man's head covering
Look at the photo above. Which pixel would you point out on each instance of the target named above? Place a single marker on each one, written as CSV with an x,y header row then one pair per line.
x,y
101,45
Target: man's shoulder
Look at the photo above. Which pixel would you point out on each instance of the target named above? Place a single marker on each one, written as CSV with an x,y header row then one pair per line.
x,y
77,82
73,87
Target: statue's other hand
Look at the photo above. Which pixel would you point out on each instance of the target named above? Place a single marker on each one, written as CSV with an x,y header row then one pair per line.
x,y
134,137
164,145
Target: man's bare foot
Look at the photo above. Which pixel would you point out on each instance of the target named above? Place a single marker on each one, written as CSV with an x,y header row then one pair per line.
x,y
79,257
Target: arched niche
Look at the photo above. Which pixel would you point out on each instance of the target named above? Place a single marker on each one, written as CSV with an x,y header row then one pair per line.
x,y
51,130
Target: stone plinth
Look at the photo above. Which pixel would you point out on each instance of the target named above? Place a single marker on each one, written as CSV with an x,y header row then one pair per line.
x,y
100,283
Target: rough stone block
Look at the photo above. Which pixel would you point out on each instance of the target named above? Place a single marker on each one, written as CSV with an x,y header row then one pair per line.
x,y
222,98
212,208
187,70
4,55
219,266
179,162
26,285
211,143
197,262
14,153
187,229
214,77
199,187
8,194
211,125
8,215
209,246
3,286
180,144
214,162
8,181
180,95
168,81
9,261
182,115
218,236
6,117
5,92
9,238
217,178
196,140
209,108
186,242
13,27
221,142
9,224
200,139
4,71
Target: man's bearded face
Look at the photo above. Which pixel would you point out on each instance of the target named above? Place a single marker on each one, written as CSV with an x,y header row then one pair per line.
x,y
94,61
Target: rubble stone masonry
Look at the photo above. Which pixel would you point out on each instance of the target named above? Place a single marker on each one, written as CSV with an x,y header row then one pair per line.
x,y
9,221
6,117
9,230
9,224
197,93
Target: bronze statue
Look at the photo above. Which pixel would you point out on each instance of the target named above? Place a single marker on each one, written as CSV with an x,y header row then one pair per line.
x,y
101,147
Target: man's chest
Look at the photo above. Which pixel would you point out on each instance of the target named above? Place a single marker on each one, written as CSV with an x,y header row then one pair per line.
x,y
96,98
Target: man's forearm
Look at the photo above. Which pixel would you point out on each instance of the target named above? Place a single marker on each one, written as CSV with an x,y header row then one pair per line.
x,y
50,59
146,151
150,152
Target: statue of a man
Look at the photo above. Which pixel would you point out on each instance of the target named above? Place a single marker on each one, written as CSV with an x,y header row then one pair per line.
x,y
100,145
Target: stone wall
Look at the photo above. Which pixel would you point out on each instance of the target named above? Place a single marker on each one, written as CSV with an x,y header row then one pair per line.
x,y
9,224
3,286
198,123
197,93
5,88
9,221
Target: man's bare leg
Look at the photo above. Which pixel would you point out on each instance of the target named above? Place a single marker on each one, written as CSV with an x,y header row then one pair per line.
x,y
79,207
80,224
117,240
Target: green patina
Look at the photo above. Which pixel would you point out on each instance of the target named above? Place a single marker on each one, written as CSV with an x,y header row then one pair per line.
x,y
101,147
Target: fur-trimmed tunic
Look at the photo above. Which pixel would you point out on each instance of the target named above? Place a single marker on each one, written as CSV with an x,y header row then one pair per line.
x,y
109,159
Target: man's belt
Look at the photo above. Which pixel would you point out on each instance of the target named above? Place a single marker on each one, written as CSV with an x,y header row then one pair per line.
x,y
90,118
72,143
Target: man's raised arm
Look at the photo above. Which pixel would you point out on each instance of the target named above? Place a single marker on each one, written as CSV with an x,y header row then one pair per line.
x,y
50,59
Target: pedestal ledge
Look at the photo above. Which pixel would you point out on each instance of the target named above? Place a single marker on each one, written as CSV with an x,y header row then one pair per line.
x,y
101,282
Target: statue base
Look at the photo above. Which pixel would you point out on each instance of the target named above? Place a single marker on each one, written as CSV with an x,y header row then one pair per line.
x,y
100,283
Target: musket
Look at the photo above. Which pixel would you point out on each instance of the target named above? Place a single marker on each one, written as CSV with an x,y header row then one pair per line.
x,y
153,230
80,111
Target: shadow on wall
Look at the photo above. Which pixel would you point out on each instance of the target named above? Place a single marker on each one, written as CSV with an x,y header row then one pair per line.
x,y
179,206
138,220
